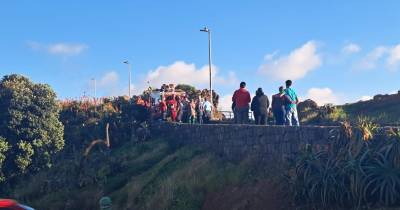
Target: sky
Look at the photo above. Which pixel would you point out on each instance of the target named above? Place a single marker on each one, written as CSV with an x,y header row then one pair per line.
x,y
334,51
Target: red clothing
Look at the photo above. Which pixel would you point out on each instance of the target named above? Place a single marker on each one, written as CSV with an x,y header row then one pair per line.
x,y
241,98
173,107
163,106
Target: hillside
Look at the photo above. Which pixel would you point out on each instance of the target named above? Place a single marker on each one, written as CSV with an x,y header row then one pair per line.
x,y
382,109
152,175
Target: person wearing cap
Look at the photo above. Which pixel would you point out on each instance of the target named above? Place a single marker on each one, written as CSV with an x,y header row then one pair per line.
x,y
259,106
105,203
241,98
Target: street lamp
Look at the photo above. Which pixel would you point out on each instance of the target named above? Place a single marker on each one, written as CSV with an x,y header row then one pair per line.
x,y
205,29
130,70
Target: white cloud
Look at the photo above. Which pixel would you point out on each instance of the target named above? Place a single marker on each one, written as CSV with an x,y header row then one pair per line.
x,y
65,49
177,73
109,79
225,103
109,85
322,96
366,98
351,48
293,66
371,59
183,73
394,57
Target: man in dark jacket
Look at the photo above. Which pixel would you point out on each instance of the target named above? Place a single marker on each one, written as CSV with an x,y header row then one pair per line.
x,y
278,106
259,106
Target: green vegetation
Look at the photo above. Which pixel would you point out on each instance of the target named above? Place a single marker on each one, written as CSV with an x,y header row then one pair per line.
x,y
383,109
150,175
30,130
359,171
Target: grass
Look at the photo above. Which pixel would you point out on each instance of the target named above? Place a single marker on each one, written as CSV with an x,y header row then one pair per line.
x,y
150,175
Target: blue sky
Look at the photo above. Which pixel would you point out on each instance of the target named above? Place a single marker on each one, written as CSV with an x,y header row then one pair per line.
x,y
336,51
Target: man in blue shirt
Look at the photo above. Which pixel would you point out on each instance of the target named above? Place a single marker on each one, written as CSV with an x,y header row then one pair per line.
x,y
291,101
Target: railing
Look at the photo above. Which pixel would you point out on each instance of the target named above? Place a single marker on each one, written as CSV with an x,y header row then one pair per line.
x,y
230,115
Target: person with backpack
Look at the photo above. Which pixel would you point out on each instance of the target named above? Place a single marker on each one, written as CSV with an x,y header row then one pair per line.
x,y
291,101
259,106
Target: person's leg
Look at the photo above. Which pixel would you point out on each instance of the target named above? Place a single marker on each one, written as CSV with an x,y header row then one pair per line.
x,y
237,116
246,115
295,117
276,117
263,119
256,118
288,117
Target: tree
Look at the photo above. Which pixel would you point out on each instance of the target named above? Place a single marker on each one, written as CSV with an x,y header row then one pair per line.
x,y
30,130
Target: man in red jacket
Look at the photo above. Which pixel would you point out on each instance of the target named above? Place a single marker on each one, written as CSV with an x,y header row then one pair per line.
x,y
241,99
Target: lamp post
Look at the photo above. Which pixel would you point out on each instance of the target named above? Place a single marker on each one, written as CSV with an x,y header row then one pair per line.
x,y
205,29
130,70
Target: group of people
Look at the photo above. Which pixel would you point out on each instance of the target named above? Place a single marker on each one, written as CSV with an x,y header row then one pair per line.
x,y
181,109
283,106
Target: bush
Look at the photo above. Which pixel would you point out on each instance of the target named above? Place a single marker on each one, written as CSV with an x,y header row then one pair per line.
x,y
29,124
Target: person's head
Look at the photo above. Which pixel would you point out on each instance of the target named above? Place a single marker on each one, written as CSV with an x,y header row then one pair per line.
x,y
242,85
281,89
288,83
259,92
206,99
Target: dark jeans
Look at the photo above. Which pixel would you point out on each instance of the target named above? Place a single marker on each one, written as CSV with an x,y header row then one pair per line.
x,y
242,115
279,116
207,117
200,118
260,119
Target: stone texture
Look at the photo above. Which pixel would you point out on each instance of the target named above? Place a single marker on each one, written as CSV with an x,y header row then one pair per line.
x,y
241,141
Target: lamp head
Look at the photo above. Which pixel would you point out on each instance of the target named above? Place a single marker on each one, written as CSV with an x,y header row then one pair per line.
x,y
205,29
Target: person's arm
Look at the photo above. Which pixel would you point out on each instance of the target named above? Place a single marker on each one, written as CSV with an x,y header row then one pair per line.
x,y
289,99
234,97
248,97
253,105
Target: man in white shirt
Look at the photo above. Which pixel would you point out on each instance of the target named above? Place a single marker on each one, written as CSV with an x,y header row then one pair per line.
x,y
207,110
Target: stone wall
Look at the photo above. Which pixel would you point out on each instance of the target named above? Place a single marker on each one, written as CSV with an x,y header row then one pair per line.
x,y
240,141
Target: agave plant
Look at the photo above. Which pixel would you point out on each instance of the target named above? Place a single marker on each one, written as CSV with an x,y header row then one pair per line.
x,y
382,181
367,127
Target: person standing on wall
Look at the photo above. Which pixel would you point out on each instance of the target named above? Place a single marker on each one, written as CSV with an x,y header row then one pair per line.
x,y
278,106
200,110
291,101
193,114
241,98
208,108
259,106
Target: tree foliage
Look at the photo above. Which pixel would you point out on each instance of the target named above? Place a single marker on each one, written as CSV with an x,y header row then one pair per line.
x,y
30,130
